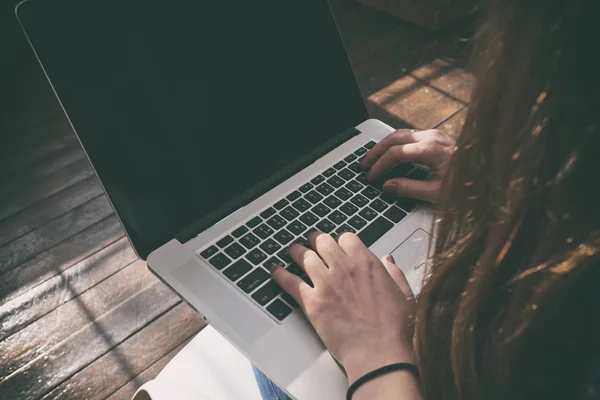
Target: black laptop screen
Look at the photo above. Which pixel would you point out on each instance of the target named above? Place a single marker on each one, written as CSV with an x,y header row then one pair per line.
x,y
184,105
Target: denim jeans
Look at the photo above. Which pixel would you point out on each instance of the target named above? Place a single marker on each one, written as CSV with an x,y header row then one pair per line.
x,y
268,390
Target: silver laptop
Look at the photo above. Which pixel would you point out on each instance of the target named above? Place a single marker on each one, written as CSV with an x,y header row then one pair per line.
x,y
222,132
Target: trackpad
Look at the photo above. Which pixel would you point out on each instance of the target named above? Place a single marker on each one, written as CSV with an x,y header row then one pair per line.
x,y
411,256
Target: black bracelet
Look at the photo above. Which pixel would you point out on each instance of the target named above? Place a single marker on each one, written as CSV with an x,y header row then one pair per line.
x,y
378,372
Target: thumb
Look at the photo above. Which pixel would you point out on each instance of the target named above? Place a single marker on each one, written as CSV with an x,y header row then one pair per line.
x,y
421,190
397,275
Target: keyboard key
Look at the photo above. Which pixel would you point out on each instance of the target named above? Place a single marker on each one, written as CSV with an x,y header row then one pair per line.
x,y
306,187
357,222
301,205
407,204
295,269
317,179
370,145
283,236
418,174
313,197
359,201
344,228
343,193
294,195
289,213
271,262
325,225
237,270
308,232
354,186
350,158
225,241
324,189
290,300
368,213
281,203
328,172
306,279
266,293
388,198
337,217
254,222
249,241
362,178
332,202
335,181
263,231
374,231
321,210
270,246
360,151
339,165
235,251
378,205
283,255
239,232
296,227
370,192
219,261
253,280
309,218
346,174
209,252
277,222
301,241
395,214
349,209
356,167
267,213
279,309
256,256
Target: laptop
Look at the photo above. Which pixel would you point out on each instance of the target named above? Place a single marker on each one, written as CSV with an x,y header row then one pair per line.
x,y
222,132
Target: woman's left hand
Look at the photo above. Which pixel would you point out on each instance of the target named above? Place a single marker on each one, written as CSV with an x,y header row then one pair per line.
x,y
360,306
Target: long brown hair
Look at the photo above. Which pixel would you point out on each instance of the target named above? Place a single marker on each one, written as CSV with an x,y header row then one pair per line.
x,y
510,308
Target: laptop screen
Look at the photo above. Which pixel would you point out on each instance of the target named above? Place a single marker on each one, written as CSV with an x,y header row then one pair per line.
x,y
184,105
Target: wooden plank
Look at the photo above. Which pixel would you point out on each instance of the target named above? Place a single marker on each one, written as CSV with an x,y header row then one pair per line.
x,y
130,358
42,335
93,341
52,207
454,125
447,77
413,102
39,301
57,259
54,232
51,184
40,168
127,391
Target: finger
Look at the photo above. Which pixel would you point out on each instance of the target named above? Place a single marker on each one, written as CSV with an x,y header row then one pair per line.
x,y
308,260
327,248
398,276
351,244
399,137
420,190
412,152
292,284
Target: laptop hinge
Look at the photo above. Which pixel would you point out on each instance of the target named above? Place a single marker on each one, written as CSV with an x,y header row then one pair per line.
x,y
261,188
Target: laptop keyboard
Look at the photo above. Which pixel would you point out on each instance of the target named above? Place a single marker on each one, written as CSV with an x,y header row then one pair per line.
x,y
338,200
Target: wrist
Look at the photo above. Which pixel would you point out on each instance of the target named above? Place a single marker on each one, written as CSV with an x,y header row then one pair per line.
x,y
365,360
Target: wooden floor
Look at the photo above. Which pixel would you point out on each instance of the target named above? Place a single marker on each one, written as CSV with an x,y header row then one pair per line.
x,y
80,316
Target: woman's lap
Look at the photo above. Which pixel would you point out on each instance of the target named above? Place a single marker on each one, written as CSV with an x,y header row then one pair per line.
x,y
268,390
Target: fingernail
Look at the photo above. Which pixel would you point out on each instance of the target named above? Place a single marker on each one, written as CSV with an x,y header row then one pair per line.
x,y
274,267
390,187
391,259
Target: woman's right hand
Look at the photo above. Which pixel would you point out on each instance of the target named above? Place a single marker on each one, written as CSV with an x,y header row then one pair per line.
x,y
431,147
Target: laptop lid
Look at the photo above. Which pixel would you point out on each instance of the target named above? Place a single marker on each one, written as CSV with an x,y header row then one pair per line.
x,y
190,109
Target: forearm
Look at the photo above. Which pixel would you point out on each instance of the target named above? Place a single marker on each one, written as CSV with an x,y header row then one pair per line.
x,y
397,385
